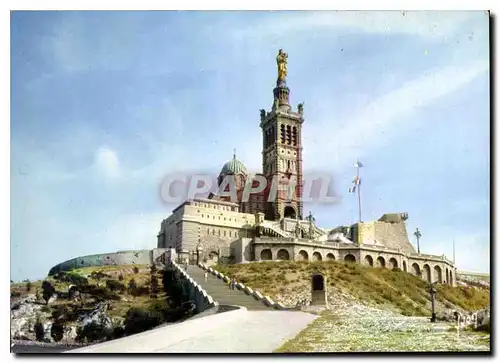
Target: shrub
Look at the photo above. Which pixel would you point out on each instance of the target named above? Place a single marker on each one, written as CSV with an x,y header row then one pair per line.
x,y
154,285
71,277
93,332
48,291
57,331
15,294
120,277
28,285
39,331
138,320
139,291
136,270
63,314
98,275
114,285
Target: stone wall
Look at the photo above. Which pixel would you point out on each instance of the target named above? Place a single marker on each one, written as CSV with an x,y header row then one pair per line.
x,y
429,267
196,293
392,235
135,257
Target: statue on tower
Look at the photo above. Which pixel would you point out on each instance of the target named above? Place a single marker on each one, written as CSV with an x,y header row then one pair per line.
x,y
282,59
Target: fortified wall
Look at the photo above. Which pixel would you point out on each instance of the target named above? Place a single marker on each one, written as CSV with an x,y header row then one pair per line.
x,y
135,257
389,231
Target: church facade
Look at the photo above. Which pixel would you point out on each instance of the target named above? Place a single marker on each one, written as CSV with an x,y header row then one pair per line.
x,y
261,227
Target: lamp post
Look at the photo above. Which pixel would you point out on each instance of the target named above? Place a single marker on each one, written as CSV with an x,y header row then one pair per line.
x,y
432,291
418,235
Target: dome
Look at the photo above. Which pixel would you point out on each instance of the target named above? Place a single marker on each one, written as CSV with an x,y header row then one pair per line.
x,y
234,166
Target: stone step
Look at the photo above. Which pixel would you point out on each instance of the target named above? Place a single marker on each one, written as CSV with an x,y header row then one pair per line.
x,y
220,291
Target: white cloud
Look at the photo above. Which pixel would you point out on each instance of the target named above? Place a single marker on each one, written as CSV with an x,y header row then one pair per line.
x,y
376,124
106,162
430,24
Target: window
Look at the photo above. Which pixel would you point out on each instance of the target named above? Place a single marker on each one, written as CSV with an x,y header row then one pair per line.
x,y
208,231
224,233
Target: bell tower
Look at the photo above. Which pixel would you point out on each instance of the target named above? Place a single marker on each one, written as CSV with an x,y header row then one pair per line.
x,y
282,149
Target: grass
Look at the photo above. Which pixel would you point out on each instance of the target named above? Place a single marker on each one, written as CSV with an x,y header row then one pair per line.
x,y
395,289
331,333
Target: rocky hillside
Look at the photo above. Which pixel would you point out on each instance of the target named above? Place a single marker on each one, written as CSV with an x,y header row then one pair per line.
x,y
94,304
289,282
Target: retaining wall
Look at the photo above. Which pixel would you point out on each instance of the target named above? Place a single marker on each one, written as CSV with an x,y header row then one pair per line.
x,y
196,293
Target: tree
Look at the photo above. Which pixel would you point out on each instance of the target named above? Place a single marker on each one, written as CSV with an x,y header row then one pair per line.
x,y
153,285
132,285
28,285
48,291
57,331
39,331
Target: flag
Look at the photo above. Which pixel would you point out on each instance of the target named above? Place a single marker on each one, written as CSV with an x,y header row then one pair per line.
x,y
358,164
352,189
356,180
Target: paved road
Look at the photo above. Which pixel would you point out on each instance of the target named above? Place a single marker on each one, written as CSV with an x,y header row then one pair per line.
x,y
257,332
238,331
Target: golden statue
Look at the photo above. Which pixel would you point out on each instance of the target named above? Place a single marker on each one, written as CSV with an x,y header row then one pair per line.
x,y
281,59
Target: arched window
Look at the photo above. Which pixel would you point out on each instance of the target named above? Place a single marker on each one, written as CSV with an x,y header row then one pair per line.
x,y
288,134
282,134
294,136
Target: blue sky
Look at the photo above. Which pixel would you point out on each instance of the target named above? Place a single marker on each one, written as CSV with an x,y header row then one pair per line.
x,y
105,104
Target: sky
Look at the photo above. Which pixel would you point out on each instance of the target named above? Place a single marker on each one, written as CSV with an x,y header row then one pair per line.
x,y
104,105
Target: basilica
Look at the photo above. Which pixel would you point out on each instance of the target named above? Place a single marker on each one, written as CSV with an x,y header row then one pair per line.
x,y
219,229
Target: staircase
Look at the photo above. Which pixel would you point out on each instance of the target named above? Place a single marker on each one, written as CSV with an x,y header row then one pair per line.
x,y
220,291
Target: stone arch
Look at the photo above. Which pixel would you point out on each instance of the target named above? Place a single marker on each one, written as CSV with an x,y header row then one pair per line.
x,y
369,260
318,282
405,268
438,274
283,255
303,255
427,273
380,262
415,268
393,263
446,275
317,256
330,257
451,277
349,258
290,212
266,255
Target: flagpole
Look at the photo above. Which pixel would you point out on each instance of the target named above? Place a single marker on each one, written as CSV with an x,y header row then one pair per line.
x,y
359,195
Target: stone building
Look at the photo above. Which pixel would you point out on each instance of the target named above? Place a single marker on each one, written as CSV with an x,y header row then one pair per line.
x,y
260,228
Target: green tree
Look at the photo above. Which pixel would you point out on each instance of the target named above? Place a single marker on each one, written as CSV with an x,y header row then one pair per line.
x,y
48,291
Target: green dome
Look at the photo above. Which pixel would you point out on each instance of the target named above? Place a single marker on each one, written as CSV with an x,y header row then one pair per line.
x,y
234,166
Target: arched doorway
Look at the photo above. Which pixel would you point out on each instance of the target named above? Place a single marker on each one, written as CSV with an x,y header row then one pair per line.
x,y
349,258
369,260
451,277
416,270
318,283
283,255
427,273
330,257
289,212
303,256
447,276
266,255
438,274
317,256
393,263
405,268
380,262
